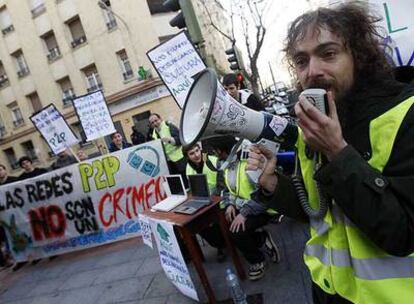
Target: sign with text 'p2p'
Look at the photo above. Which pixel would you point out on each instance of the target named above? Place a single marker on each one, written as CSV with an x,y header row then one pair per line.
x,y
54,129
94,115
177,61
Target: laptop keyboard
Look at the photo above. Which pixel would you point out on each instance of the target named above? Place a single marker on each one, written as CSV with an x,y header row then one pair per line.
x,y
169,203
197,203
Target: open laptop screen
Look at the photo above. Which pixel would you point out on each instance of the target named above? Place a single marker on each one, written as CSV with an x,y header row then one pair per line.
x,y
175,184
198,185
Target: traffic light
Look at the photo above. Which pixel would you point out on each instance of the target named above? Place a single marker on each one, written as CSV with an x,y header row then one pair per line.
x,y
234,61
174,6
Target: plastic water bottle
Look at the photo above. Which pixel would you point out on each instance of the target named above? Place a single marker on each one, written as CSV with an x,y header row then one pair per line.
x,y
237,293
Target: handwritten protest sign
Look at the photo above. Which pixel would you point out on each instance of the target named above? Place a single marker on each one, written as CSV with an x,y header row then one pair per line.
x,y
172,260
398,21
145,230
54,129
177,61
83,205
94,115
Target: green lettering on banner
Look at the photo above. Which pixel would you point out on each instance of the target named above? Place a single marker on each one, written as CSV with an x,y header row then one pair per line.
x,y
104,176
111,166
387,16
86,171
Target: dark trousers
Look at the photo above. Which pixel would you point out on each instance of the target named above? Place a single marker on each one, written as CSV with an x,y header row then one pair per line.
x,y
321,297
213,236
2,240
249,241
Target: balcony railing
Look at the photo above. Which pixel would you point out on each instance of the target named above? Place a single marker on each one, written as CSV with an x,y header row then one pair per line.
x,y
68,96
111,24
54,53
36,11
95,88
78,41
18,122
2,131
4,80
23,72
8,29
128,74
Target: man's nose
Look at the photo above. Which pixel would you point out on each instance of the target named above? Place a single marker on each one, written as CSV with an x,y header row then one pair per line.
x,y
315,68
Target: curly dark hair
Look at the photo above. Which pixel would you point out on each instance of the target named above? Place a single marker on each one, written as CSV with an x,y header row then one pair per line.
x,y
360,34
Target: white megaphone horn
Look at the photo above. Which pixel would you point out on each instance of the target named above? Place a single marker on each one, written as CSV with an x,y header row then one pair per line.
x,y
210,111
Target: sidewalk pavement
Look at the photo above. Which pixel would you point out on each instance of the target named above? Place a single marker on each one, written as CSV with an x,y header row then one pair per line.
x,y
130,272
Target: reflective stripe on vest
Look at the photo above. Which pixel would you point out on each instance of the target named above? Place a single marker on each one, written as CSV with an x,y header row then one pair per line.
x,y
239,184
210,174
173,152
340,258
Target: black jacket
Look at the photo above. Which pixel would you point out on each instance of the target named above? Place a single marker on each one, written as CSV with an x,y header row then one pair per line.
x,y
384,214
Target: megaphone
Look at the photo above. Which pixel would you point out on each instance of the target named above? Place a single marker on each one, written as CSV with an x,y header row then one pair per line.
x,y
210,111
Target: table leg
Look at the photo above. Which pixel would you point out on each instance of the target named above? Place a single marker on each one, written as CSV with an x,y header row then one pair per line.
x,y
198,264
224,226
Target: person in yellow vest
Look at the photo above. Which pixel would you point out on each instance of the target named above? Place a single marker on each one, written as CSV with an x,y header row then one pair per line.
x,y
200,163
246,216
169,135
356,162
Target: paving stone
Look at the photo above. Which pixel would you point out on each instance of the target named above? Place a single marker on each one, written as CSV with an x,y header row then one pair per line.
x,y
46,287
126,290
118,272
80,280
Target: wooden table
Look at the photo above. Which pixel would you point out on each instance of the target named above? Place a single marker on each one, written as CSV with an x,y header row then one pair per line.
x,y
189,225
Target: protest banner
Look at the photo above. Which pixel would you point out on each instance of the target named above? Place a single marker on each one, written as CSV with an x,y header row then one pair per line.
x,y
54,129
146,231
177,61
83,205
94,115
399,24
172,260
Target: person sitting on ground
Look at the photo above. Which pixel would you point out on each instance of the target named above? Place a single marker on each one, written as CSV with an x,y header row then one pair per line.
x,y
26,163
199,163
118,142
65,158
245,97
245,215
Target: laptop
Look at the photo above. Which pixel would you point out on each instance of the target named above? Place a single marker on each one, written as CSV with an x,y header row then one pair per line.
x,y
200,195
176,194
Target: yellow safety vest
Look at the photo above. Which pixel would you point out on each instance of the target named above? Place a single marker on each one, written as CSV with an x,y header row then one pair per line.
x,y
210,174
341,259
173,152
243,187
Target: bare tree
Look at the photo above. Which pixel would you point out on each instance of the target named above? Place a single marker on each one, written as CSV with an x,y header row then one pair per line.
x,y
247,13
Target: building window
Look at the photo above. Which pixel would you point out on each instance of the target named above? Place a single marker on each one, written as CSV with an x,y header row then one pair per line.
x,y
35,102
93,81
77,32
126,69
4,80
156,7
11,158
51,46
109,15
67,91
16,114
29,150
3,130
38,7
21,65
5,21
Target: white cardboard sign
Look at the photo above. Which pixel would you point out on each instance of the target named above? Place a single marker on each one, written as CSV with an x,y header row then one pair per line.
x,y
177,61
54,129
94,115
